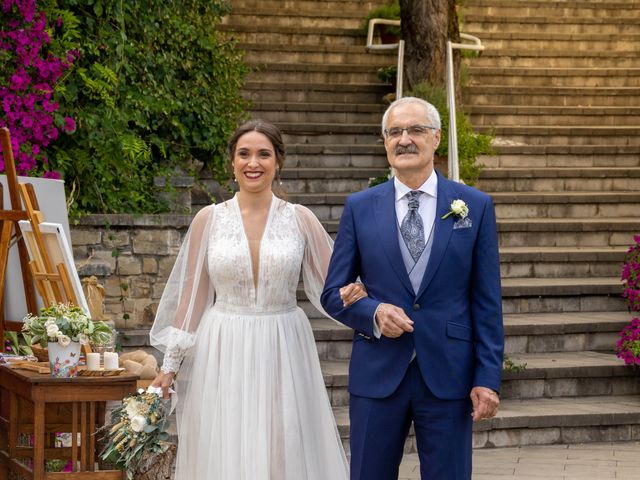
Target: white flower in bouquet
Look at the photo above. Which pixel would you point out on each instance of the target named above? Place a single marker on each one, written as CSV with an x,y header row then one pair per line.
x,y
83,338
50,321
138,423
64,340
52,330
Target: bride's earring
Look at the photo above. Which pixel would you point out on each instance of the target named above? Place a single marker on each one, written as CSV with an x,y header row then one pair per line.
x,y
278,179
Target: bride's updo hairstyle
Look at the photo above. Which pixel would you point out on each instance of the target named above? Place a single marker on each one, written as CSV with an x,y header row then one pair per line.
x,y
269,130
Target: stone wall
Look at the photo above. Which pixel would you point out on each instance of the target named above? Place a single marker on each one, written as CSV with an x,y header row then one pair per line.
x,y
132,256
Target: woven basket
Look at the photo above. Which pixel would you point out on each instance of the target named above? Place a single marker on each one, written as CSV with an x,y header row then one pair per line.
x,y
42,354
160,466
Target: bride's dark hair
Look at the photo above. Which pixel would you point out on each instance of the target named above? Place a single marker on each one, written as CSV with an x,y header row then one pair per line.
x,y
270,131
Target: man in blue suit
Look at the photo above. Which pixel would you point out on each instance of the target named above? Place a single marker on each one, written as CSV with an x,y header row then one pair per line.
x,y
428,340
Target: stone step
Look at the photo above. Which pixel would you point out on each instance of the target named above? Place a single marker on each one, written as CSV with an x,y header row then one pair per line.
x,y
489,115
327,7
558,43
331,133
324,113
558,262
545,421
562,332
294,35
529,287
544,375
295,17
259,53
568,232
551,96
328,180
477,24
524,333
565,9
563,135
364,93
532,204
313,73
544,59
513,155
555,77
608,180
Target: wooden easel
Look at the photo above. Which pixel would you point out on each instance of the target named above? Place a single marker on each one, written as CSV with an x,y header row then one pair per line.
x,y
9,219
52,281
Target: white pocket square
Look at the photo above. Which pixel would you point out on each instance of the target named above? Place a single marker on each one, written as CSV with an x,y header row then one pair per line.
x,y
463,223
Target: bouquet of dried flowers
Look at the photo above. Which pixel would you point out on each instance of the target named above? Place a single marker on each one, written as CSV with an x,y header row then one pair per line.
x,y
137,429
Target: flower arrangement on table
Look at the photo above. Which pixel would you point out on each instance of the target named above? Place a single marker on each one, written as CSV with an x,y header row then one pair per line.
x,y
628,346
65,323
136,432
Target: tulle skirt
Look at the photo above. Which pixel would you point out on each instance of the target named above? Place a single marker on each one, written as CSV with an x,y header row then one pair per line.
x,y
253,404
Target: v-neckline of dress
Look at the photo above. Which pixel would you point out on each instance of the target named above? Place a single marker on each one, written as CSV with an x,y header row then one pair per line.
x,y
255,281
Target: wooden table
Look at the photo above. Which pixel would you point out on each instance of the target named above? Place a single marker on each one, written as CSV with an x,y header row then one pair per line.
x,y
36,403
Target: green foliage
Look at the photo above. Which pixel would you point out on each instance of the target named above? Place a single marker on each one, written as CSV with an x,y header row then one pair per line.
x,y
470,143
391,11
388,74
155,88
510,366
17,343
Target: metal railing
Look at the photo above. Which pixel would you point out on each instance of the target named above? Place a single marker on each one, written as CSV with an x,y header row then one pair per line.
x,y
454,169
388,46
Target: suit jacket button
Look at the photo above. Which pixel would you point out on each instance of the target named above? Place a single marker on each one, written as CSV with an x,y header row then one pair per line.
x,y
416,306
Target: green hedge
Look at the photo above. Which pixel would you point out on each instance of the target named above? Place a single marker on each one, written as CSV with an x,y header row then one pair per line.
x,y
155,88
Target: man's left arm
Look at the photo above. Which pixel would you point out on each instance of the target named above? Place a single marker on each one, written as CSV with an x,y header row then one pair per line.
x,y
486,314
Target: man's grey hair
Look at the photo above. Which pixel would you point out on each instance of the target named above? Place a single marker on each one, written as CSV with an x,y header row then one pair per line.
x,y
433,117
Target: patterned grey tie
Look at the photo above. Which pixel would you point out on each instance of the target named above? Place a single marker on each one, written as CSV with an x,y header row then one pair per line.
x,y
412,228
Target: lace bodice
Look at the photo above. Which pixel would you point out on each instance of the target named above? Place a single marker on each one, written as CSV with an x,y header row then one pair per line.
x,y
214,270
280,259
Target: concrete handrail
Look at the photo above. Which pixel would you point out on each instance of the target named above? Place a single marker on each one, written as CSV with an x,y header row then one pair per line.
x,y
388,46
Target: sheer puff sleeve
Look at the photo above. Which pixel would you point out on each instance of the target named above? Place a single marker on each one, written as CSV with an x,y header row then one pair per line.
x,y
317,253
187,294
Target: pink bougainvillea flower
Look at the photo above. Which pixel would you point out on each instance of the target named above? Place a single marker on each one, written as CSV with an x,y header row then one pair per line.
x,y
69,125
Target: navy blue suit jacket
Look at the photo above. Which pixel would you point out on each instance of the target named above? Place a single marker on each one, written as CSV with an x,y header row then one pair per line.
x,y
458,332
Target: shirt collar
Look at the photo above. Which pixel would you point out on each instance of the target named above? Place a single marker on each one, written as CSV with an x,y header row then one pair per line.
x,y
430,186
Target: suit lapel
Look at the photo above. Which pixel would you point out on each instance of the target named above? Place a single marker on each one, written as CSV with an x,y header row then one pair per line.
x,y
442,231
387,225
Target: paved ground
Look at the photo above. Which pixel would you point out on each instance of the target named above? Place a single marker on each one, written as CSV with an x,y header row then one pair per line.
x,y
589,461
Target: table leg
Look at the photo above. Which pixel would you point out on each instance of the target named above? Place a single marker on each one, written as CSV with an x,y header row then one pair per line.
x,y
74,437
92,436
84,457
38,441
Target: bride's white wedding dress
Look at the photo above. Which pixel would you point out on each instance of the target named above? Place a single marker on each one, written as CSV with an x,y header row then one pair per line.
x,y
252,401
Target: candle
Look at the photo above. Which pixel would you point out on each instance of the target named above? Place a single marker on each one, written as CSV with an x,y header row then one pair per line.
x,y
110,360
93,361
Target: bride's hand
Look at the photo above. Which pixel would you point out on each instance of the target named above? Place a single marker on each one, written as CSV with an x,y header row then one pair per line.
x,y
351,293
163,380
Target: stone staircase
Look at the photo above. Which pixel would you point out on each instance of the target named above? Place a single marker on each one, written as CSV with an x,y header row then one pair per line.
x,y
559,85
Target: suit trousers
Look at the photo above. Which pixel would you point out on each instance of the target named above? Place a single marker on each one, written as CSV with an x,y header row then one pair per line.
x,y
379,428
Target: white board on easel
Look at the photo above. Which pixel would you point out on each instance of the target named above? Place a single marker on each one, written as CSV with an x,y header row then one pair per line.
x,y
59,252
52,202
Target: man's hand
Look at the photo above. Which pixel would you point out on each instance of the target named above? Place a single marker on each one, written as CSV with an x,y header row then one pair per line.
x,y
485,403
392,321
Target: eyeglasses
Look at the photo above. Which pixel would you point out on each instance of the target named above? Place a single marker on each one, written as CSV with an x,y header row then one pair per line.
x,y
412,131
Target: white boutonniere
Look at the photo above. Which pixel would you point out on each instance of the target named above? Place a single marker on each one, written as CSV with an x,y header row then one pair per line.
x,y
457,208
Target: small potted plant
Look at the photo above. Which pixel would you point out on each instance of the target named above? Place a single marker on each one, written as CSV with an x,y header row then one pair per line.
x,y
62,329
628,346
391,11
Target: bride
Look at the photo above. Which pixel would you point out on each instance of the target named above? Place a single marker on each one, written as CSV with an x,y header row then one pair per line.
x,y
253,404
